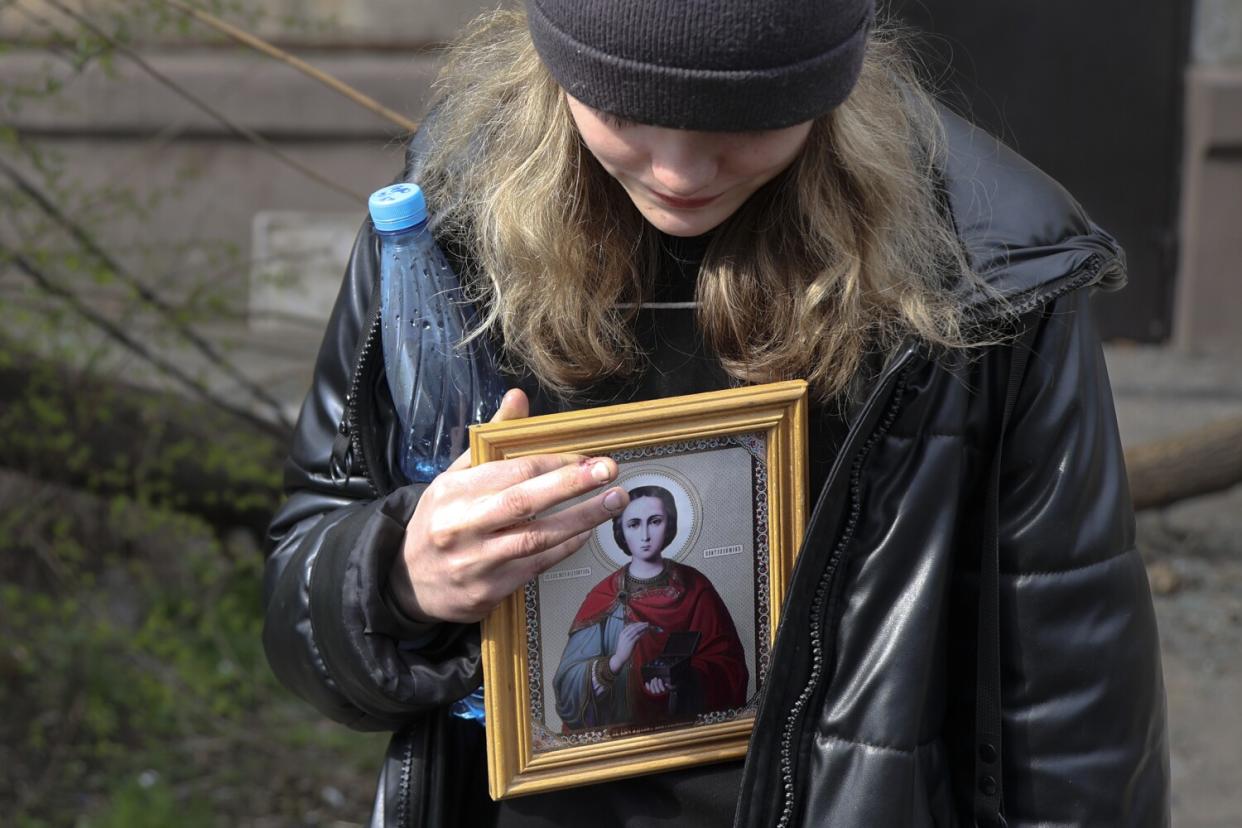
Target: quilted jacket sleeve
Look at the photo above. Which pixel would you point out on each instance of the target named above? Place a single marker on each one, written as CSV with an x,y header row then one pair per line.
x,y
330,634
1085,736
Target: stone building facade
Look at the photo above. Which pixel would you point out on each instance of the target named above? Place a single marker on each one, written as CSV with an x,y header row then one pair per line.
x,y
292,232
1209,277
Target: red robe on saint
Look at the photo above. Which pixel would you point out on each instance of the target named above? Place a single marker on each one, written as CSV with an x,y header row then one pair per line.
x,y
686,602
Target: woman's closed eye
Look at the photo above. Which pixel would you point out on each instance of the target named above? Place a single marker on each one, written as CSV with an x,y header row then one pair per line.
x,y
614,121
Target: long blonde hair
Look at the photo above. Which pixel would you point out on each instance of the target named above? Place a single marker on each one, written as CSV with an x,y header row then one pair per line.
x,y
836,261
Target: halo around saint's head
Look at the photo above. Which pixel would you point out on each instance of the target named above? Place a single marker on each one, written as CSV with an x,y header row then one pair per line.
x,y
689,511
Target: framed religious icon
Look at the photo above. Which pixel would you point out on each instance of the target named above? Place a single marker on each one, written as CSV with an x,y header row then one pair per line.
x,y
646,649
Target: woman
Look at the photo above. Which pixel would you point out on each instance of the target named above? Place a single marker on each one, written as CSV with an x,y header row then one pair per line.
x,y
626,621
652,198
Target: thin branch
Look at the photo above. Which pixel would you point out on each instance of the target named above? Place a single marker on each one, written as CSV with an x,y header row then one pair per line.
x,y
58,43
169,313
239,129
139,159
156,142
115,332
60,745
260,45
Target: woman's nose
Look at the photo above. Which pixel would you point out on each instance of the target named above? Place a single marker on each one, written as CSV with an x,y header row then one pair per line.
x,y
683,163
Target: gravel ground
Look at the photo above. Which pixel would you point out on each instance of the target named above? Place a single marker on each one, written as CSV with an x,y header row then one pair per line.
x,y
1194,556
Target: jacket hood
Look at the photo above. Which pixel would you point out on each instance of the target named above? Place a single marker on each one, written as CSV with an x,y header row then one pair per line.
x,y
1024,234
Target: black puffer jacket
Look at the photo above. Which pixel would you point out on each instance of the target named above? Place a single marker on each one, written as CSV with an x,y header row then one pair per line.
x,y
869,718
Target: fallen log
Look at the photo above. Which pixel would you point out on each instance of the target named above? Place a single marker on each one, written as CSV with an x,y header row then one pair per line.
x,y
1199,462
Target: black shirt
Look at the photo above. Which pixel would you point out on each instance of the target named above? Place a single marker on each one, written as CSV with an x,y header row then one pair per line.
x,y
677,363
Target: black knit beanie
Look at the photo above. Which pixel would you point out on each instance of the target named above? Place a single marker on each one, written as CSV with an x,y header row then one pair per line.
x,y
727,65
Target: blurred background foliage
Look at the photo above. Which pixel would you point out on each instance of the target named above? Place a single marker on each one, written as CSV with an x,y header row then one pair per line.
x,y
133,684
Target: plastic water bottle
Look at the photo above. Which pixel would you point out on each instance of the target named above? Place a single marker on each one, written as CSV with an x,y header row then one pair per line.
x,y
440,387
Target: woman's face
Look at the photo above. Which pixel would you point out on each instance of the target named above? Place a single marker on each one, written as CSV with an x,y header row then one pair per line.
x,y
643,523
685,182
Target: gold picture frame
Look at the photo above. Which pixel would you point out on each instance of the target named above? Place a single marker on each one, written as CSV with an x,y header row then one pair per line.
x,y
708,453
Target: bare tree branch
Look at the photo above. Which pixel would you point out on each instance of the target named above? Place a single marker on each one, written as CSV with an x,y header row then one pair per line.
x,y
169,313
260,45
59,43
239,129
110,437
116,333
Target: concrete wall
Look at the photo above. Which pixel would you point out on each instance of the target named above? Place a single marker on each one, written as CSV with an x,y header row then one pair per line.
x,y
212,190
1218,32
212,182
398,24
1209,283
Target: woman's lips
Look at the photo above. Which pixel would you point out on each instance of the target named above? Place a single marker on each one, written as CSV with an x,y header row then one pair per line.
x,y
682,203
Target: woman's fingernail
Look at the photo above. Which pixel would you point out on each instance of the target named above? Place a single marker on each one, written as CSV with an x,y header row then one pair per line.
x,y
612,501
601,471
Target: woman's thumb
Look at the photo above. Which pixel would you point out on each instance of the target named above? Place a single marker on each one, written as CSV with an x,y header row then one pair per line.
x,y
513,406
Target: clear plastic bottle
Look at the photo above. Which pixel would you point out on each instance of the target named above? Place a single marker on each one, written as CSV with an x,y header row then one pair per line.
x,y
440,386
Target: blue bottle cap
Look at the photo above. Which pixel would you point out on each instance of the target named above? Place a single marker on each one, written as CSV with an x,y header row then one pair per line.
x,y
398,207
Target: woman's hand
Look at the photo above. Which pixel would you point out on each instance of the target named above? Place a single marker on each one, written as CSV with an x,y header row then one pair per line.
x,y
473,539
628,637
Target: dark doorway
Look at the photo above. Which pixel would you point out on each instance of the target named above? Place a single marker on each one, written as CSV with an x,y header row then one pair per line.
x,y
1092,94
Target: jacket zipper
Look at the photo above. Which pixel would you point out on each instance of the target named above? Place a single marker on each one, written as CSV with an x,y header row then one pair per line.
x,y
894,377
404,817
347,448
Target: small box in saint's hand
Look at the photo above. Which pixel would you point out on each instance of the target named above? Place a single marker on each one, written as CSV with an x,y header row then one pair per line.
x,y
673,663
